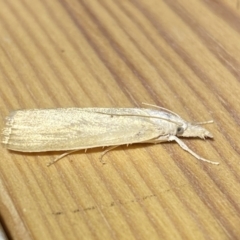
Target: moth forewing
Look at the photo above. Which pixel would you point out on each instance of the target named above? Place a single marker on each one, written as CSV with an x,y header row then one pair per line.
x,y
64,129
40,130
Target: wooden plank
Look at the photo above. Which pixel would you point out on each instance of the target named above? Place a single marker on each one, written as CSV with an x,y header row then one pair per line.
x,y
174,54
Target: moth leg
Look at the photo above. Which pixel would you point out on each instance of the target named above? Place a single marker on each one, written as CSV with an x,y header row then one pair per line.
x,y
186,148
61,156
107,150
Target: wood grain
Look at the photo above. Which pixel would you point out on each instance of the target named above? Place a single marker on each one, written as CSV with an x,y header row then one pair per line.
x,y
78,53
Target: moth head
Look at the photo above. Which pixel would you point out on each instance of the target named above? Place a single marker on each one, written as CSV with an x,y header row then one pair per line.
x,y
191,130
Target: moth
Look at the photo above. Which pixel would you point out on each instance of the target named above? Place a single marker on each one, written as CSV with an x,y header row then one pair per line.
x,y
73,129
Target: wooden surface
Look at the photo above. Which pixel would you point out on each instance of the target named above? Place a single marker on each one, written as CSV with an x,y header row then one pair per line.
x,y
79,53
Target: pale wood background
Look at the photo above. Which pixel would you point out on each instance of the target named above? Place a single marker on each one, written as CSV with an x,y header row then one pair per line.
x,y
182,55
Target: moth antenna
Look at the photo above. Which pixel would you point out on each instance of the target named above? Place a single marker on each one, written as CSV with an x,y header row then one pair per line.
x,y
165,109
202,123
146,116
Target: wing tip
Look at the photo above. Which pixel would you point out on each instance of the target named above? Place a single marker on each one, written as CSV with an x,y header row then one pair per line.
x,y
7,130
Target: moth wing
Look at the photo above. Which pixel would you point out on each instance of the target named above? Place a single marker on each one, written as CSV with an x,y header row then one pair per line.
x,y
40,130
